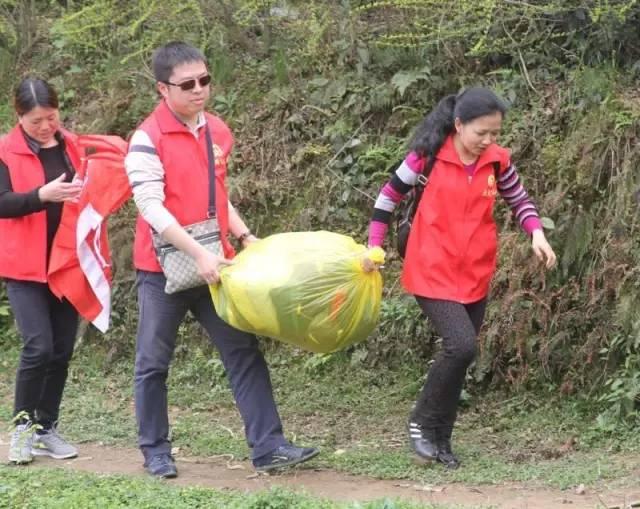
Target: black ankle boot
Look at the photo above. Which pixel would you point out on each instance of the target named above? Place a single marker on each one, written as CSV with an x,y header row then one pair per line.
x,y
443,443
422,441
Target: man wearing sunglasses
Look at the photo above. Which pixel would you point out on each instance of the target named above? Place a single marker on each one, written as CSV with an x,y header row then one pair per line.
x,y
168,167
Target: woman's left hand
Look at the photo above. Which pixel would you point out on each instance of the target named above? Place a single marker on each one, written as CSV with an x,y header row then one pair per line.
x,y
542,249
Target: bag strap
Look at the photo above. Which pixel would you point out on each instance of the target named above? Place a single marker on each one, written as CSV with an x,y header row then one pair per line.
x,y
211,212
423,180
496,170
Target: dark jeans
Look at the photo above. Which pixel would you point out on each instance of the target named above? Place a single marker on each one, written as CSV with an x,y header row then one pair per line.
x,y
458,325
160,317
48,327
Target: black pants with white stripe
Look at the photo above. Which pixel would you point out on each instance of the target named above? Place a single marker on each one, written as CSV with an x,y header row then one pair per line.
x,y
458,325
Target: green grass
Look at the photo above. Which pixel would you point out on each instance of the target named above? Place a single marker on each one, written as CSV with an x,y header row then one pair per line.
x,y
40,488
354,414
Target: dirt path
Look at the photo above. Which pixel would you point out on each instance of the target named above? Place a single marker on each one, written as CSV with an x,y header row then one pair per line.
x,y
223,473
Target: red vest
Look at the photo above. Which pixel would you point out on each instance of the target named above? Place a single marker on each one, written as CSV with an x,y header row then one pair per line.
x,y
23,240
451,252
186,178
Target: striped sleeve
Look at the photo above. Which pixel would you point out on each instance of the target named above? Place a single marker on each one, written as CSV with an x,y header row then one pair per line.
x,y
523,208
146,176
403,180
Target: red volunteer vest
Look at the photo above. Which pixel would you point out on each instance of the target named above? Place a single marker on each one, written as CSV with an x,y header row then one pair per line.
x,y
186,178
80,260
451,252
23,240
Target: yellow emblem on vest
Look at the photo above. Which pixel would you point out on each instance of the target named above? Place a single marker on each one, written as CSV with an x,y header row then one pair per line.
x,y
491,190
218,154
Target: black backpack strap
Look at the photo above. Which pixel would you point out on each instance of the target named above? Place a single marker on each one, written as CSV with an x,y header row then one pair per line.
x,y
420,186
496,170
423,178
426,171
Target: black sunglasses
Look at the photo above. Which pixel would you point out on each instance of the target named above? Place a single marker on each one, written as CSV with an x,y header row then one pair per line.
x,y
191,84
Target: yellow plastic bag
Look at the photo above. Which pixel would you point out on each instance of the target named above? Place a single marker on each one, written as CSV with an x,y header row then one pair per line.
x,y
305,288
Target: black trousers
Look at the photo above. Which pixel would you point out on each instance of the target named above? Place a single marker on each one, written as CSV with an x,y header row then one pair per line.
x,y
458,325
48,327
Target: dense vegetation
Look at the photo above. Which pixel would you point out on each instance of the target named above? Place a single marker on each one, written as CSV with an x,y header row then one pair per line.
x,y
322,96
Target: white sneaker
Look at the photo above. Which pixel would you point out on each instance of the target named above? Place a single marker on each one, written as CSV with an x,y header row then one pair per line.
x,y
21,441
53,445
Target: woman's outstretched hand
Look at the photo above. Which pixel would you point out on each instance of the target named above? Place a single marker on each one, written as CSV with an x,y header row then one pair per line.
x,y
542,249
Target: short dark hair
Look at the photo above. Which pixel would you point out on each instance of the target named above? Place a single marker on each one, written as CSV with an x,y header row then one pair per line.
x,y
166,58
34,92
